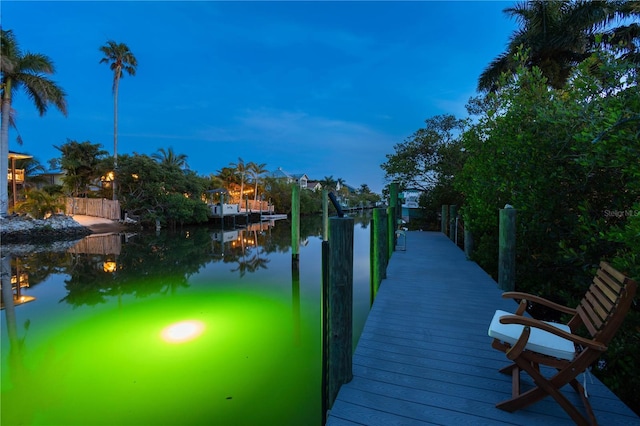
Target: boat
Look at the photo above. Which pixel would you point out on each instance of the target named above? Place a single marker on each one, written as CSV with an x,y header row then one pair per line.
x,y
273,216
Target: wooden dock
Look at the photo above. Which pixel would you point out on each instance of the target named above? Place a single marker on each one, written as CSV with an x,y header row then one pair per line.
x,y
424,356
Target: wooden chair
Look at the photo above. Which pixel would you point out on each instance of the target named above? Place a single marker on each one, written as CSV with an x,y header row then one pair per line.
x,y
531,343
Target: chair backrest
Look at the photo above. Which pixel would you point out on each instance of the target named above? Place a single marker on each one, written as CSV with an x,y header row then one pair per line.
x,y
606,303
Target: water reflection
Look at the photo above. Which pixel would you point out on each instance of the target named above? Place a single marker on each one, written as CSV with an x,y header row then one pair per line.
x,y
105,306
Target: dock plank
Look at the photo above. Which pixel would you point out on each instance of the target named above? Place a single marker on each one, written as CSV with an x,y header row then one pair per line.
x,y
424,356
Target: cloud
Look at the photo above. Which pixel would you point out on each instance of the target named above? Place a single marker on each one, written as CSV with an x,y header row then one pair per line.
x,y
322,146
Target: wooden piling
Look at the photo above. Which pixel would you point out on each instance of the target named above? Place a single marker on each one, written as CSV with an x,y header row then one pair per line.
x,y
340,307
507,249
444,219
393,198
295,223
468,243
391,231
453,214
325,214
326,403
374,282
392,217
378,249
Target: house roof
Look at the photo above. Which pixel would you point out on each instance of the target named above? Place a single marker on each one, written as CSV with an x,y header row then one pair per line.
x,y
19,156
51,172
280,173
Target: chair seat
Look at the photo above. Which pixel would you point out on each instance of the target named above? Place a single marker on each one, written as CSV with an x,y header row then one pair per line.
x,y
539,341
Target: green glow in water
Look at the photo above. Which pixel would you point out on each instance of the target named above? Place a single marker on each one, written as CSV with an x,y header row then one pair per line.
x,y
97,345
115,368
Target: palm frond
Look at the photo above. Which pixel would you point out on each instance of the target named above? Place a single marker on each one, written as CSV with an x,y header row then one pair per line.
x,y
36,63
489,78
42,92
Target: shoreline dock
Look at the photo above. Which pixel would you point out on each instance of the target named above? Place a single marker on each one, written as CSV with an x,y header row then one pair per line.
x,y
424,356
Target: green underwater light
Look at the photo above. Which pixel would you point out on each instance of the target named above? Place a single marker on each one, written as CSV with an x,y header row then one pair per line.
x,y
183,331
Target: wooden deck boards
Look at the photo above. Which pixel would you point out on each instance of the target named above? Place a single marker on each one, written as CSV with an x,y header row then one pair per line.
x,y
424,356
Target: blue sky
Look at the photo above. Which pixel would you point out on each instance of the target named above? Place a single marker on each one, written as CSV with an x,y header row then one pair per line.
x,y
322,88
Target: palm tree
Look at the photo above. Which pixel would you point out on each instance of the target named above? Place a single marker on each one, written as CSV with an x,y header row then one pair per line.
x,y
364,189
228,176
27,71
558,36
119,58
329,183
255,171
170,158
241,170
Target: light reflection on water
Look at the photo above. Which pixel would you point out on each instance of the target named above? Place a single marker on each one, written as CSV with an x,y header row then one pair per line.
x,y
97,347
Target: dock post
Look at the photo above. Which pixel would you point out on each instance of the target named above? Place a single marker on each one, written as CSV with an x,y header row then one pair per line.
x,y
391,233
340,303
392,212
378,249
326,402
325,214
453,214
468,243
373,262
383,235
444,219
507,249
393,198
295,225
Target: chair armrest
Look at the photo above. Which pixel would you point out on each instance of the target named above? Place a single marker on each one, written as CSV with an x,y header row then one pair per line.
x,y
532,322
539,300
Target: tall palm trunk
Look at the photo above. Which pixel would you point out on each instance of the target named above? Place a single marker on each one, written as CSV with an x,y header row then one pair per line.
x,y
255,192
241,188
115,136
4,149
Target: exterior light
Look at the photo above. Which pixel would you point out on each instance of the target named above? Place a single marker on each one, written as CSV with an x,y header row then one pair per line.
x,y
109,266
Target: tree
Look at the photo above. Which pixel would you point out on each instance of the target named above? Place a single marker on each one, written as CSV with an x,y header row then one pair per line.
x,y
567,160
365,197
416,161
157,191
27,71
364,189
84,164
329,183
256,171
559,36
241,170
120,59
39,204
170,158
227,176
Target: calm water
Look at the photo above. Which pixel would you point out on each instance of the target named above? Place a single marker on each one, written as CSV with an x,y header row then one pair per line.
x,y
185,328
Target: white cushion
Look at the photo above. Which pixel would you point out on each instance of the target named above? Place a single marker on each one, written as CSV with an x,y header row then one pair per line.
x,y
539,340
